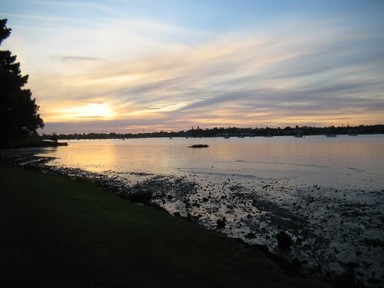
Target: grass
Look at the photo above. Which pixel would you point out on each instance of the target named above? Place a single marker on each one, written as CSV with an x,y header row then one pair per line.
x,y
56,232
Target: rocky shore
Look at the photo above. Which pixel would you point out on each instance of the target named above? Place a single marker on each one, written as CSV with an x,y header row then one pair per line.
x,y
339,234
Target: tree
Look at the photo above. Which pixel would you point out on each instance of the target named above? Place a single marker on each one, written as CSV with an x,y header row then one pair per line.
x,y
18,111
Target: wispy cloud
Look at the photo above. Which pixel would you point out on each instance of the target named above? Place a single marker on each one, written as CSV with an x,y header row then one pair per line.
x,y
80,58
243,78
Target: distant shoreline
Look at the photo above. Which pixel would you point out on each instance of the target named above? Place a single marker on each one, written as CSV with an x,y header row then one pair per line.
x,y
229,132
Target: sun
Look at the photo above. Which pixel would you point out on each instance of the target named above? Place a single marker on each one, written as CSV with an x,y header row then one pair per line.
x,y
89,111
98,110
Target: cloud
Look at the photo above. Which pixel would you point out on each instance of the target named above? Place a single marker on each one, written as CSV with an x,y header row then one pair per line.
x,y
156,73
81,58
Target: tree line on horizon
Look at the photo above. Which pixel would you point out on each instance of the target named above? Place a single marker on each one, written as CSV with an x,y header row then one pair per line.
x,y
228,132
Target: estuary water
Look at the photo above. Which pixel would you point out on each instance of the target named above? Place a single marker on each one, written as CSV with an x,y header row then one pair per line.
x,y
342,161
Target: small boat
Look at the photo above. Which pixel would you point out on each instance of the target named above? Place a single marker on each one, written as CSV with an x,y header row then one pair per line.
x,y
330,133
298,133
352,132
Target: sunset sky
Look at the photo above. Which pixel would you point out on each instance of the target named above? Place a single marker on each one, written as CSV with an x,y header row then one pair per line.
x,y
151,65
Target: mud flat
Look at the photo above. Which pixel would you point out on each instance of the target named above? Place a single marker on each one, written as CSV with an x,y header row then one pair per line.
x,y
334,232
338,232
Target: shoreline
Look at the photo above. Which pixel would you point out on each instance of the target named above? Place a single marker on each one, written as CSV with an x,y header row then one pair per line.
x,y
60,232
33,143
180,197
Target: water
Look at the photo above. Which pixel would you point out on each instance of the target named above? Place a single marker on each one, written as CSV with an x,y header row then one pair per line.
x,y
336,162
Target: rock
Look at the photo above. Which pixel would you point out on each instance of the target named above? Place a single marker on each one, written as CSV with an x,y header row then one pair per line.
x,y
221,223
262,248
199,146
140,197
284,241
250,235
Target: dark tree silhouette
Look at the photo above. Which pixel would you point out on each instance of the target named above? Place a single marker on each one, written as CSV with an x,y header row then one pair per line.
x,y
18,111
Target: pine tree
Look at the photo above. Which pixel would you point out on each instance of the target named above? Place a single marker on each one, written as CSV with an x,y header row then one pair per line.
x,y
18,111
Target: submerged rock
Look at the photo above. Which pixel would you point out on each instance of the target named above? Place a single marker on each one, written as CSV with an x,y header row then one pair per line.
x,y
199,146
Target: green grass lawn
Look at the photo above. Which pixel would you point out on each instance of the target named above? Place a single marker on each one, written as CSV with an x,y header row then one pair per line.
x,y
56,232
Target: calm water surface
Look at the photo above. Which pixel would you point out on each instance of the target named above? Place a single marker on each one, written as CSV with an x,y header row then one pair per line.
x,y
343,161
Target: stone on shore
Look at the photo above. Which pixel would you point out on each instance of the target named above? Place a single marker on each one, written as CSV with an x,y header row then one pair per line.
x,y
142,196
284,241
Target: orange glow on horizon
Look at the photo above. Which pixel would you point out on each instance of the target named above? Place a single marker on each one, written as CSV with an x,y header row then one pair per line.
x,y
85,112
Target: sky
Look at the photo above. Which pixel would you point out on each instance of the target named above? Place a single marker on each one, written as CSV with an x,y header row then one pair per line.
x,y
169,65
